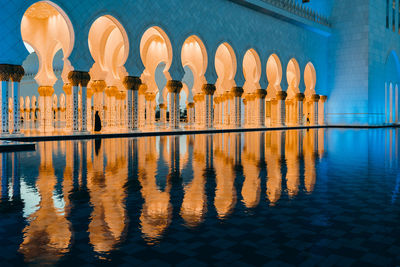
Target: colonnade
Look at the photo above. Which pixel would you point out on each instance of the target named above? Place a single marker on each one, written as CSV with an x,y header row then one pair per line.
x,y
134,108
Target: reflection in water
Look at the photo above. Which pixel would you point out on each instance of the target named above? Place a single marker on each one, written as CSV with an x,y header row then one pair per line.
x,y
47,235
252,160
157,209
273,152
171,173
194,201
292,155
310,148
107,194
224,158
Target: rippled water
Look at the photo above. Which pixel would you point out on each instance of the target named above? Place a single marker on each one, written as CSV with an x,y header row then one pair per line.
x,y
283,197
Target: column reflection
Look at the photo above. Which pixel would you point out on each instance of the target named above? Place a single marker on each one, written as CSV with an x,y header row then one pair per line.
x,y
310,149
107,194
101,167
274,145
292,154
194,205
252,155
225,192
48,235
157,210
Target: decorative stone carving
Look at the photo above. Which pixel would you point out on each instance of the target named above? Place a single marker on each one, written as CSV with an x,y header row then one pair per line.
x,y
261,93
98,86
300,97
46,90
142,89
74,77
16,73
315,98
85,78
208,89
5,71
67,88
281,95
237,91
174,86
132,83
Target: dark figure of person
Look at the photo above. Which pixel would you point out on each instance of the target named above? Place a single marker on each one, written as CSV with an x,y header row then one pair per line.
x,y
97,122
308,118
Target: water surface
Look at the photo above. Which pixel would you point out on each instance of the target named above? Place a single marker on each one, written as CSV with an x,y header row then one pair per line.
x,y
280,197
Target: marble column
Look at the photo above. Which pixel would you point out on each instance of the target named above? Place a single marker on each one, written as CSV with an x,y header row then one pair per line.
x,y
202,110
208,90
4,77
106,108
237,93
321,110
113,111
98,87
111,92
216,111
75,78
196,110
142,106
27,112
232,111
67,88
280,112
226,109
299,98
150,109
124,110
90,123
246,112
190,113
16,76
248,109
221,110
163,113
315,100
174,88
45,107
85,78
132,85
260,107
253,109
117,109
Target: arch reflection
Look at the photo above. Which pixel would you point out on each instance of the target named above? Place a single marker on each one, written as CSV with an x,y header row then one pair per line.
x,y
191,175
47,237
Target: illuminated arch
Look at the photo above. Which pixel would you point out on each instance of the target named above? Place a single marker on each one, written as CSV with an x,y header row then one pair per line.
x,y
293,78
225,66
109,47
251,71
194,56
47,29
155,48
274,76
310,80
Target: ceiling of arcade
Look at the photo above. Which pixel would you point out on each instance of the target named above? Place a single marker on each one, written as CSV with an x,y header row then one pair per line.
x,y
41,10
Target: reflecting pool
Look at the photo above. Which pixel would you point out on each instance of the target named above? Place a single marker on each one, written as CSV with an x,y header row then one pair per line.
x,y
281,197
